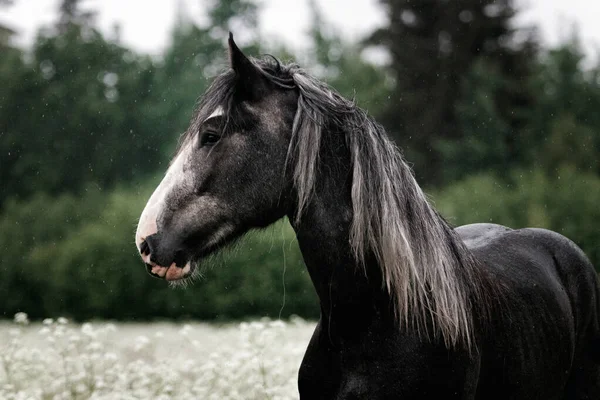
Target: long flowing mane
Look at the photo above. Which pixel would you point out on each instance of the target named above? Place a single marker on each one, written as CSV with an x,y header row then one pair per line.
x,y
433,280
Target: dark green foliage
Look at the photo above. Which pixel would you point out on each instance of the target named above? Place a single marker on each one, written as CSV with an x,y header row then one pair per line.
x,y
341,65
559,128
75,256
433,44
82,108
566,202
489,140
564,125
75,113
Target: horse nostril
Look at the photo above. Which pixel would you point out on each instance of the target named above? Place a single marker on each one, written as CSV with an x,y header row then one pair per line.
x,y
158,253
149,245
145,248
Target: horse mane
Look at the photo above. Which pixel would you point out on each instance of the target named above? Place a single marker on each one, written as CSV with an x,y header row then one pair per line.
x,y
432,279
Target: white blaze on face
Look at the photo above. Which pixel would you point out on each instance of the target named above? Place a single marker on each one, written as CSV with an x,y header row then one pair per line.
x,y
173,178
217,113
147,225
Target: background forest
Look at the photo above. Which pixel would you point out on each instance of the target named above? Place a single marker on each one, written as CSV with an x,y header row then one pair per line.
x,y
497,128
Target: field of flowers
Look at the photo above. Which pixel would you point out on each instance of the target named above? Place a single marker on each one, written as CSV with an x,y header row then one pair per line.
x,y
59,360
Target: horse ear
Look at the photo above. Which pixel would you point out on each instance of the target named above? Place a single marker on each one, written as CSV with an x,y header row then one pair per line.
x,y
238,60
249,76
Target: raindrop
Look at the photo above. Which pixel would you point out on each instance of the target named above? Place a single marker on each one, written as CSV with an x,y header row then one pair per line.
x,y
128,57
445,42
199,59
492,10
334,54
110,79
47,68
210,71
408,17
111,94
465,16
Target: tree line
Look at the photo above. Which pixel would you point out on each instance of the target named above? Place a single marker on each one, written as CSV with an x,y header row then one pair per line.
x,y
497,129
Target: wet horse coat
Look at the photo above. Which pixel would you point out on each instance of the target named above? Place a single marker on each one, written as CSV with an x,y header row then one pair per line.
x,y
541,341
410,307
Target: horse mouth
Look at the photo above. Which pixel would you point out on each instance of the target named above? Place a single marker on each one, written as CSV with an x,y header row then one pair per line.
x,y
185,261
172,272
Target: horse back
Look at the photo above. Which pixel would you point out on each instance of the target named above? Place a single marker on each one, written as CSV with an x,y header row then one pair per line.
x,y
545,328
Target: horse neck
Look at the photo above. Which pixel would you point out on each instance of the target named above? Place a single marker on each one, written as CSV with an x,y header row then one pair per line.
x,y
347,291
354,293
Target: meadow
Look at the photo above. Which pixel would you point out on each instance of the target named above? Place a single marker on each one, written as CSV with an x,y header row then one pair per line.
x,y
57,359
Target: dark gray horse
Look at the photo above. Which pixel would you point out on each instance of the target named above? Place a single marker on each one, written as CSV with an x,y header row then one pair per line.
x,y
410,308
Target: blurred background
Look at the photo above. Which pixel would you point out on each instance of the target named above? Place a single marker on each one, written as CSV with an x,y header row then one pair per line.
x,y
496,104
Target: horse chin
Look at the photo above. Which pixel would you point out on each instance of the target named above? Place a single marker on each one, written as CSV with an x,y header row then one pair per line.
x,y
183,280
217,243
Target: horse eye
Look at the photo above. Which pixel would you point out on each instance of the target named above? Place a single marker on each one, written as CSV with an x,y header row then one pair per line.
x,y
209,138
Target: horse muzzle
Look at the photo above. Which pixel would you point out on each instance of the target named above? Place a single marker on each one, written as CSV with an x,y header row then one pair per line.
x,y
171,266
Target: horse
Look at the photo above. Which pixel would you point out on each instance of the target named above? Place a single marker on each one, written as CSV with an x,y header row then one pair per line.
x,y
410,307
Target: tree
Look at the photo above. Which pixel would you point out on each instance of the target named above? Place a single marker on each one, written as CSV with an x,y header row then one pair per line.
x,y
342,66
71,13
564,126
5,32
73,113
433,45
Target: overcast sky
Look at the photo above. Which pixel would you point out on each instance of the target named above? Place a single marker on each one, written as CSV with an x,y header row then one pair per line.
x,y
145,24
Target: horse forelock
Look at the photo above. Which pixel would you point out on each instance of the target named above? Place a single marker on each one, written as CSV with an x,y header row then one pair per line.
x,y
216,100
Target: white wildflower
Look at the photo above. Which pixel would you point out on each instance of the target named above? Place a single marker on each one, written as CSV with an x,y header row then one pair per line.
x,y
94,346
251,360
74,338
21,318
185,330
88,330
141,342
44,331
